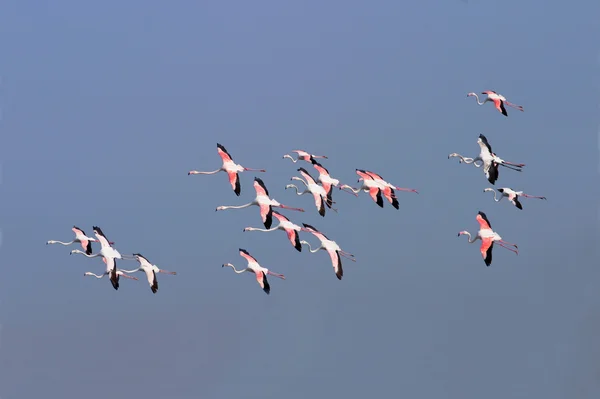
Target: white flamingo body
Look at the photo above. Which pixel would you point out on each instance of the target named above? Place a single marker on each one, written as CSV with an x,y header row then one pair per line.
x,y
498,100
254,267
512,195
488,159
150,271
332,248
487,237
286,225
318,192
230,167
303,156
263,201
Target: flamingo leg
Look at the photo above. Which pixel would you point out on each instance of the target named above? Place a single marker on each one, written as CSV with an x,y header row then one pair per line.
x,y
532,196
167,272
510,249
254,170
412,190
281,276
290,208
519,107
508,243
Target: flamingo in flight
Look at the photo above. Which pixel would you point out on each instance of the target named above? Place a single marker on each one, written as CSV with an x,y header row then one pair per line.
x,y
320,195
512,195
113,273
260,272
263,201
487,237
150,271
387,188
327,181
498,100
106,250
80,237
286,225
303,156
369,185
488,159
332,248
231,168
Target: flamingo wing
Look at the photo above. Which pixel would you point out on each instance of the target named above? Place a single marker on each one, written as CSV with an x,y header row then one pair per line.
x,y
78,232
294,238
391,197
364,174
500,106
152,280
484,223
329,195
336,261
375,193
234,180
259,186
320,168
246,255
224,154
279,216
266,214
114,276
315,232
374,175
320,204
516,202
309,179
487,244
87,246
261,277
101,237
491,172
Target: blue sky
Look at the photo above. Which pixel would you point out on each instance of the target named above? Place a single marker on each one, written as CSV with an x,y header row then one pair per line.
x,y
107,106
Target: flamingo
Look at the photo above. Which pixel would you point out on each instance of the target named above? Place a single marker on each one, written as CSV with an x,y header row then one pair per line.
x,y
253,266
80,237
106,250
286,225
150,271
332,248
113,279
263,201
387,188
303,156
512,195
231,168
497,99
327,181
318,192
371,186
487,237
488,159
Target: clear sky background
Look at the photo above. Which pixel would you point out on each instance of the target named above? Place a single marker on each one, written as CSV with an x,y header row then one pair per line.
x,y
107,105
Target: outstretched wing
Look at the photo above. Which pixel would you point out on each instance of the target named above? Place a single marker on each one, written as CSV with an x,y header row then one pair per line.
x,y
309,179
336,261
261,277
487,244
223,153
234,180
375,193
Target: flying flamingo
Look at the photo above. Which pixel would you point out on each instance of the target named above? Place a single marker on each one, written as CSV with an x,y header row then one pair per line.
x,y
114,276
387,188
150,271
230,167
488,159
332,248
253,266
80,237
512,195
318,192
497,99
303,156
106,250
286,225
370,186
263,201
487,237
327,181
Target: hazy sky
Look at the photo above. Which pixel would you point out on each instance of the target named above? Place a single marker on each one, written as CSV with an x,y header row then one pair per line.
x,y
107,105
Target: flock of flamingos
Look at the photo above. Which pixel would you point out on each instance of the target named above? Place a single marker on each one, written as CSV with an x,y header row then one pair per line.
x,y
321,190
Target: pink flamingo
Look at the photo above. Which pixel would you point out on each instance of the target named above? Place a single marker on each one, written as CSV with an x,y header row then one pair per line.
x,y
497,99
332,248
387,188
263,201
327,181
303,156
512,195
230,167
261,272
487,237
286,225
80,237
